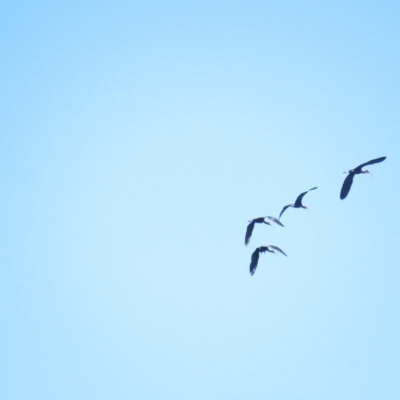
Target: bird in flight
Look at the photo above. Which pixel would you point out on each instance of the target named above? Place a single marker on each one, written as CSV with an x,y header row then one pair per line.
x,y
349,178
298,203
256,255
260,220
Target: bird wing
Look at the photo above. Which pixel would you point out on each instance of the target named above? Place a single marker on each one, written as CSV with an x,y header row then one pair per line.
x,y
254,261
249,231
375,161
278,249
300,197
276,221
284,209
346,186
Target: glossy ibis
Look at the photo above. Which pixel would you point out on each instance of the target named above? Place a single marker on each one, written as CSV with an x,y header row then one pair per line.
x,y
256,255
349,178
298,203
260,220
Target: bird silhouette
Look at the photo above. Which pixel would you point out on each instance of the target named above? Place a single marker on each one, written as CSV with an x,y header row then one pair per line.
x,y
256,255
259,220
358,170
298,203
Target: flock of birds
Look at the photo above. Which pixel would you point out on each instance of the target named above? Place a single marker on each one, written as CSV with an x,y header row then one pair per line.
x,y
298,204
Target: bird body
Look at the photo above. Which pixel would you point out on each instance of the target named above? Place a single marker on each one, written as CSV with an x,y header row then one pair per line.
x,y
256,255
298,203
358,170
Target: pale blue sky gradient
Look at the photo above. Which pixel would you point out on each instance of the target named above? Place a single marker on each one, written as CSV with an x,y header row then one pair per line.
x,y
137,140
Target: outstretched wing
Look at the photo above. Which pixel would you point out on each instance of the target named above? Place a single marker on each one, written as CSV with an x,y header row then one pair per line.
x,y
278,249
375,161
276,221
284,209
254,261
249,231
346,186
300,197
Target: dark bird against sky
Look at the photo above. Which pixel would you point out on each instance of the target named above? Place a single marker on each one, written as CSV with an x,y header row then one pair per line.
x,y
298,203
260,220
256,255
358,170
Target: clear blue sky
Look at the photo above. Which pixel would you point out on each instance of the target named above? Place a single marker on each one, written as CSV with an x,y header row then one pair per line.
x,y
137,140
